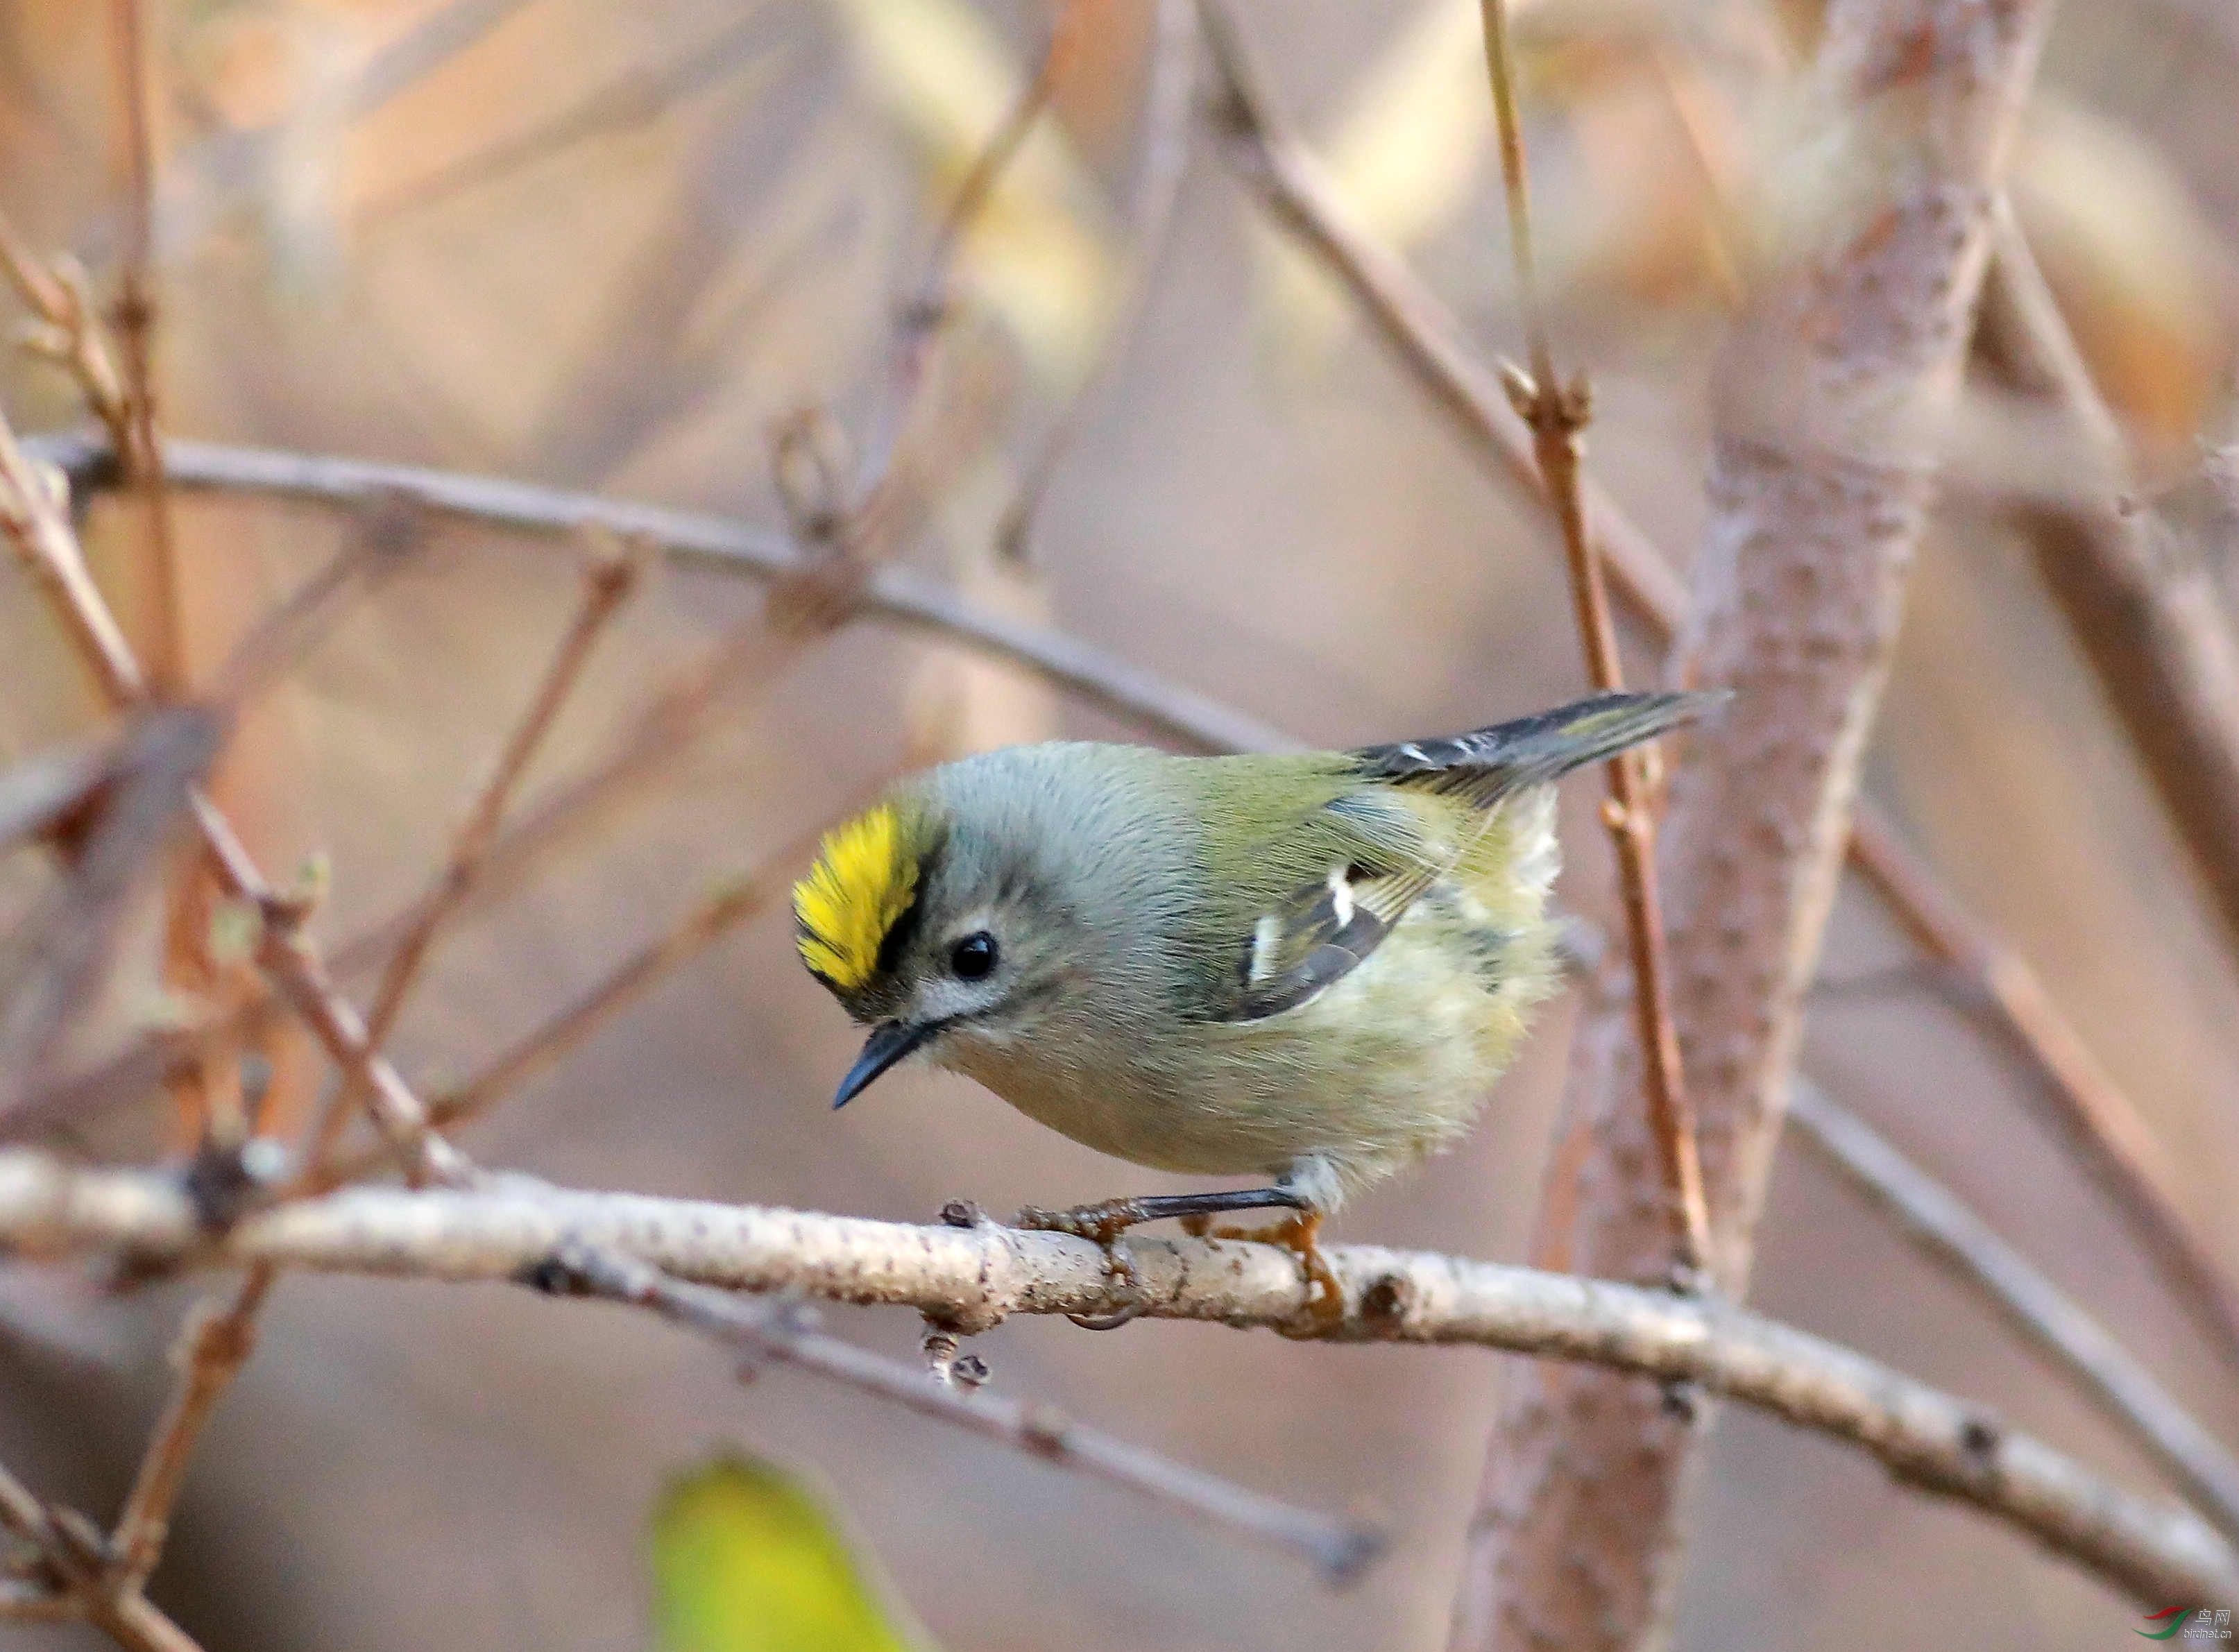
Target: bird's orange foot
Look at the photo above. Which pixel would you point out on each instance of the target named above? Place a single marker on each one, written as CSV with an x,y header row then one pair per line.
x,y
1299,1234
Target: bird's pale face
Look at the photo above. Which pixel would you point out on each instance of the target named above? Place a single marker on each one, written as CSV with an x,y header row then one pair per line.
x,y
927,937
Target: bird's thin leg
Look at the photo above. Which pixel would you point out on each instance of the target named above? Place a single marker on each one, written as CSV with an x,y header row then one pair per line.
x,y
1104,1222
1107,1219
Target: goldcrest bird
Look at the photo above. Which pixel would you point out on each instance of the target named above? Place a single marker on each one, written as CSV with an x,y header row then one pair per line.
x,y
1308,967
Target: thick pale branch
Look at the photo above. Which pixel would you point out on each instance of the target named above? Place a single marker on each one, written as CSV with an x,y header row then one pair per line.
x,y
513,1229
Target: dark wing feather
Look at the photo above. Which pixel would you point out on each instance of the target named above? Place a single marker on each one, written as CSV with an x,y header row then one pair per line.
x,y
1490,764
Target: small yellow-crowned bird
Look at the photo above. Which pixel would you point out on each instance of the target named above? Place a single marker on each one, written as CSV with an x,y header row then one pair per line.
x,y
1309,967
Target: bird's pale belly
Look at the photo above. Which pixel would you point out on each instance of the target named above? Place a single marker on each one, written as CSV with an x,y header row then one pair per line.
x,y
1390,1063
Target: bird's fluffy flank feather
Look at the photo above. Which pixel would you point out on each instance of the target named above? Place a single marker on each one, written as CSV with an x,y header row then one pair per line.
x,y
865,880
1349,869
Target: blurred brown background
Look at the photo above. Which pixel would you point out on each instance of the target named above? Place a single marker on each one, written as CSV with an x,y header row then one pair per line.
x,y
608,247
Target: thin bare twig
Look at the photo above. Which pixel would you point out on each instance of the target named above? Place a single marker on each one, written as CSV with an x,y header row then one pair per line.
x,y
699,929
134,322
217,1345
75,1579
1557,414
972,1276
2099,1122
608,578
60,296
1943,1226
1339,1550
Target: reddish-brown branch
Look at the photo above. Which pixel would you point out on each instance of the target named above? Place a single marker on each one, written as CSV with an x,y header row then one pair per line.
x,y
217,1344
1557,414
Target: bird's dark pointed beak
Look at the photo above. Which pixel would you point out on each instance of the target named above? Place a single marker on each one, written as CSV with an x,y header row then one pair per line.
x,y
888,1044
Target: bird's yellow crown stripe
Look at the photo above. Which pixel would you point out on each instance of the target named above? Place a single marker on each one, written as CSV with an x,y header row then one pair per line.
x,y
864,880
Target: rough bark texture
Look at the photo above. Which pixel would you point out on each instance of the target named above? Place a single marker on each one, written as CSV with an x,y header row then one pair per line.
x,y
1830,392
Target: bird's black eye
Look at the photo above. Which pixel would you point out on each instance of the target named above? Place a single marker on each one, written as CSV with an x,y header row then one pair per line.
x,y
974,958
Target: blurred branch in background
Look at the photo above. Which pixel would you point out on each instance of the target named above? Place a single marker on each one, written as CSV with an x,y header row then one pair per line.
x,y
971,1276
1940,1225
164,652
2149,615
783,1333
114,819
892,593
66,1575
2096,1120
210,179
707,923
609,576
1831,393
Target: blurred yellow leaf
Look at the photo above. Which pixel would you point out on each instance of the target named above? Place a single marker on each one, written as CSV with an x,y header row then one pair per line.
x,y
745,1559
1403,153
1035,257
2141,273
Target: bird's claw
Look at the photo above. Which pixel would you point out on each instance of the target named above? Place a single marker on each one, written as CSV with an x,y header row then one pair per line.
x,y
1100,1224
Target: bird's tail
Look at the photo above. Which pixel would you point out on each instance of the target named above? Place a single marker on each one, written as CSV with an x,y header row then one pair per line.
x,y
1492,763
